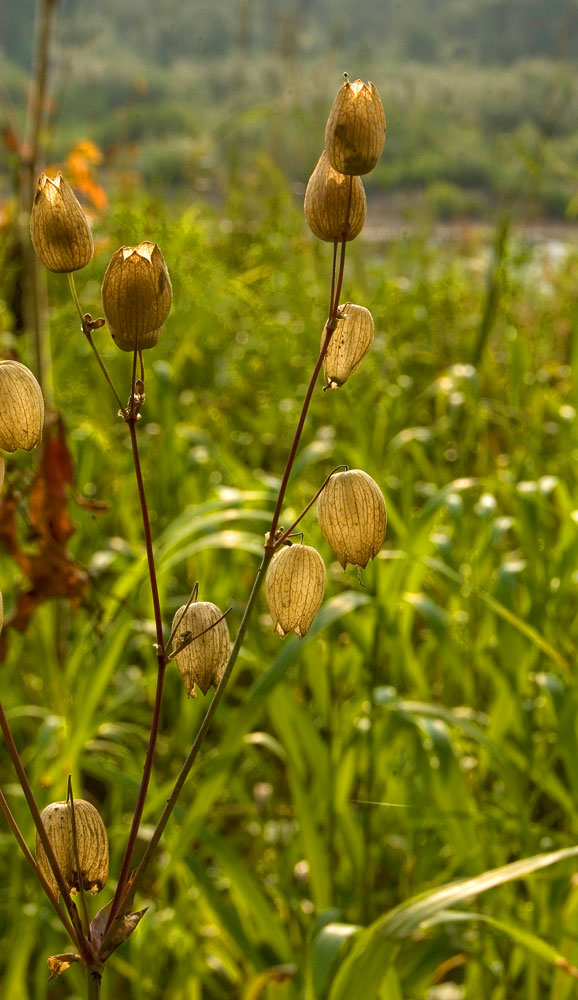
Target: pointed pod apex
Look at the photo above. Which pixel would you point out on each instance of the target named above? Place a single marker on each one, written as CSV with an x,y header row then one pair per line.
x,y
355,132
294,588
350,342
59,229
21,407
91,846
137,296
335,205
203,661
352,517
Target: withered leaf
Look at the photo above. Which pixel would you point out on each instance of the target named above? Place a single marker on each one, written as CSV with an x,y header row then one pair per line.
x,y
121,929
60,963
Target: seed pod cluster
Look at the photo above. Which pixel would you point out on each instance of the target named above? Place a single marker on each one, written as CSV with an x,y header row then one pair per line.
x,y
203,661
294,588
59,229
21,407
352,516
91,844
136,296
335,205
355,131
350,342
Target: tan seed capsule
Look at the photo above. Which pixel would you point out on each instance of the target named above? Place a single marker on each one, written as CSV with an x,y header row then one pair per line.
x,y
350,342
91,844
59,229
328,198
203,661
355,131
352,516
294,588
136,296
21,407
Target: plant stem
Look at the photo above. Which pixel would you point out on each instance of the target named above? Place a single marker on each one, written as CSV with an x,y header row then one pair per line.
x,y
88,334
199,739
78,936
93,980
32,862
329,330
161,667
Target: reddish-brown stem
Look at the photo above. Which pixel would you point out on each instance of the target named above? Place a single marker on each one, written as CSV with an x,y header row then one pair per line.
x,y
161,667
289,531
329,330
32,862
78,936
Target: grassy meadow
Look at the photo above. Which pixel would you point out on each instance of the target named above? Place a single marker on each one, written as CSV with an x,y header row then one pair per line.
x,y
425,729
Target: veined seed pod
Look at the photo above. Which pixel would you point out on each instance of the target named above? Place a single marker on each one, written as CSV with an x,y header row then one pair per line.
x,y
328,198
21,407
136,296
203,661
355,131
59,229
350,342
294,588
352,516
91,846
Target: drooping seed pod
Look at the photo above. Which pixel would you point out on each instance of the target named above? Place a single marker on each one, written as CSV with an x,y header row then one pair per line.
x,y
329,197
59,229
203,661
91,845
350,342
136,296
294,588
21,407
352,516
355,131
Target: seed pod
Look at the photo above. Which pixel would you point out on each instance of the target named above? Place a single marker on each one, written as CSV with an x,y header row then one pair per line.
x,y
352,516
59,229
327,199
136,296
355,131
91,843
203,661
294,588
21,407
350,342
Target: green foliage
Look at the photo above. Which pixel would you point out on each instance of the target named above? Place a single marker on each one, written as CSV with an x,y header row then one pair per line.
x,y
424,730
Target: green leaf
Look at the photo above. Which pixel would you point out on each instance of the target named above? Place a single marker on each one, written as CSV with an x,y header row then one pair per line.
x,y
374,948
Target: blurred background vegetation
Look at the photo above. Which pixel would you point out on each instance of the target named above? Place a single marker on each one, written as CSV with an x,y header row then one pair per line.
x,y
426,728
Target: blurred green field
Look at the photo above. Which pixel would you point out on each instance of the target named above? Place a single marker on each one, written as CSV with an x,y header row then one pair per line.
x,y
425,730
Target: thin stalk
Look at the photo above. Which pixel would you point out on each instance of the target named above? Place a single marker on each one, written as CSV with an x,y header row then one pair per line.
x,y
161,668
88,334
78,936
199,739
33,864
93,980
83,906
329,330
192,597
289,531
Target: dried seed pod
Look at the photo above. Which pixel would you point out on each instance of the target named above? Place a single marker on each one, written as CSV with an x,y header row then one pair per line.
x,y
91,844
294,588
352,516
327,200
203,661
136,296
21,407
59,229
355,131
350,342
